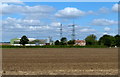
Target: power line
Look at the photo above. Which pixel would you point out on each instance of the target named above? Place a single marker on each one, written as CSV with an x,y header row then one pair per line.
x,y
61,31
73,31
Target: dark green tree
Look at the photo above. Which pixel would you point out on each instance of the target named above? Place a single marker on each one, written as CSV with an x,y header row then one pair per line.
x,y
57,42
107,40
71,42
117,40
63,41
91,40
24,40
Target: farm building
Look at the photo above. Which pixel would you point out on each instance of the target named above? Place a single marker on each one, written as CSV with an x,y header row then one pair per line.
x,y
32,42
80,42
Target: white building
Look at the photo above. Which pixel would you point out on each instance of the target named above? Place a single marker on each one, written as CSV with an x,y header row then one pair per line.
x,y
33,42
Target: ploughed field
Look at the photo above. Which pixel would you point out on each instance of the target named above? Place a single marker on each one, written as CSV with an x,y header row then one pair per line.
x,y
60,61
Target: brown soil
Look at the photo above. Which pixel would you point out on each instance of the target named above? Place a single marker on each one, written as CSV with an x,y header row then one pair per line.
x,y
60,61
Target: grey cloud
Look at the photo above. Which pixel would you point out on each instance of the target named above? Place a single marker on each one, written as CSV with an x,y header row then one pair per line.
x,y
116,7
103,22
11,9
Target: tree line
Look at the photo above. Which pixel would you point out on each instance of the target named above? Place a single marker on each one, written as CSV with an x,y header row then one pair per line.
x,y
105,40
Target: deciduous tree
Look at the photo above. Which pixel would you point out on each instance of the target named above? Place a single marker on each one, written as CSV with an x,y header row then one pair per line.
x,y
57,42
24,40
91,40
117,40
107,40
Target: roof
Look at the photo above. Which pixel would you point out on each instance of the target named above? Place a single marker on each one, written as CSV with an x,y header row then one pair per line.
x,y
12,40
79,41
42,41
30,39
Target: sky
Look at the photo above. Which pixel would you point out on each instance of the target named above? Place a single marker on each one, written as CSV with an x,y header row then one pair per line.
x,y
60,0
42,19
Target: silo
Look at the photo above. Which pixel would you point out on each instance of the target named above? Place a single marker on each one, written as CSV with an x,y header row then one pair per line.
x,y
48,40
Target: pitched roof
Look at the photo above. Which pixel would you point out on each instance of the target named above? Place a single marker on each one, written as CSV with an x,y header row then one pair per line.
x,y
79,41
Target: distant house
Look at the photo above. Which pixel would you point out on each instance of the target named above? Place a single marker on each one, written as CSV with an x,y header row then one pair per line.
x,y
5,43
80,42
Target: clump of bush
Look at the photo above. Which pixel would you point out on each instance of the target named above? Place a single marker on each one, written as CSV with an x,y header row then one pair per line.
x,y
54,46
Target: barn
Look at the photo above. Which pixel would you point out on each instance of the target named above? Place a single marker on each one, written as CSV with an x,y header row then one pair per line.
x,y
32,42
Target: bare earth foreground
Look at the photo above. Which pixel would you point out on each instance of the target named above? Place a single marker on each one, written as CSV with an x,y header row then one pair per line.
x,y
60,61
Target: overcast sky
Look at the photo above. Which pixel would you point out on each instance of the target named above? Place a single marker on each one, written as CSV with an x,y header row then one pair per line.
x,y
42,19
